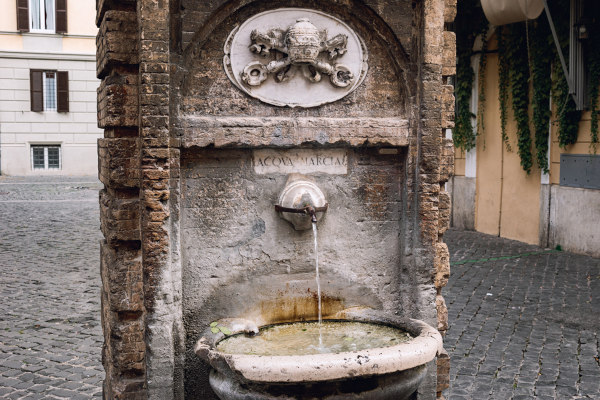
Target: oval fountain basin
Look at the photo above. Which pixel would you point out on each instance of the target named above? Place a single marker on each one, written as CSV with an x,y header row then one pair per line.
x,y
304,338
372,372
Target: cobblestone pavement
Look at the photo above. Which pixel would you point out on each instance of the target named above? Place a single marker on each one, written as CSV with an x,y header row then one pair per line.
x,y
524,323
50,334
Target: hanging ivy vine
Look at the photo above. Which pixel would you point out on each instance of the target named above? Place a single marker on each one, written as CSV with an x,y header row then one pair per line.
x,y
516,47
481,81
470,22
528,65
567,117
504,83
593,51
541,77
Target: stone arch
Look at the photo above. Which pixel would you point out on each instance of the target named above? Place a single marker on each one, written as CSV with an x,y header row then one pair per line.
x,y
386,52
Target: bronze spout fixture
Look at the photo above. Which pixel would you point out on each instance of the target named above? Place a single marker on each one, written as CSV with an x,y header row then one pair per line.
x,y
308,210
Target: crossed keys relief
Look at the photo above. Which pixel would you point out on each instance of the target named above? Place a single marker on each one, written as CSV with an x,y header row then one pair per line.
x,y
300,45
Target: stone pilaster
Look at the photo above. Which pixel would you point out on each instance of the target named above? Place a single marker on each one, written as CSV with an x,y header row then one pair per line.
x,y
436,161
159,177
123,311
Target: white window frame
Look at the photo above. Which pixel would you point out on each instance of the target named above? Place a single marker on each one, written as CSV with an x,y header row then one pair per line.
x,y
42,11
45,146
46,91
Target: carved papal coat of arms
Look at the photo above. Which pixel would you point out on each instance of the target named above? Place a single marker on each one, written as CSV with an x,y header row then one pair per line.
x,y
300,45
295,57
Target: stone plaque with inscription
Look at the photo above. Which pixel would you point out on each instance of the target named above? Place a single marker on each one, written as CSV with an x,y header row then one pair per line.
x,y
303,161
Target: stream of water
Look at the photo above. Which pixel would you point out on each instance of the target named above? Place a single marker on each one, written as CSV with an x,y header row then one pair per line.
x,y
314,228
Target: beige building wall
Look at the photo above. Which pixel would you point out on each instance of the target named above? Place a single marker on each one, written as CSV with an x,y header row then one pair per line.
x,y
507,202
488,190
8,21
20,128
506,198
459,162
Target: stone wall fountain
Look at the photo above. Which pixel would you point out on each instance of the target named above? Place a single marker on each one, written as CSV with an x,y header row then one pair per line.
x,y
231,129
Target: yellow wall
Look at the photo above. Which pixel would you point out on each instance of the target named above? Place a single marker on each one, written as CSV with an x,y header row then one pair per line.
x,y
81,17
507,199
488,191
79,45
459,162
8,15
11,42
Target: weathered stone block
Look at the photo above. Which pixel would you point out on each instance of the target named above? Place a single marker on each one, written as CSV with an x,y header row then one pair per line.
x,y
122,278
447,107
116,42
449,10
444,216
118,100
124,356
434,24
102,6
119,218
447,160
443,372
449,54
442,313
441,263
119,162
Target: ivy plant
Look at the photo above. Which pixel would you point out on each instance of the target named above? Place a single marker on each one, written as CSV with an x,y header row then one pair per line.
x,y
504,83
470,22
541,78
593,51
517,52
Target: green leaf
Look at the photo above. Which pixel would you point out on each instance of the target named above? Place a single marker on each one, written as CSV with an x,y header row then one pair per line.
x,y
213,324
225,330
348,339
214,330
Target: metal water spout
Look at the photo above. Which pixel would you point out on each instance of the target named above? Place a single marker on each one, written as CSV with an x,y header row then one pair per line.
x,y
301,202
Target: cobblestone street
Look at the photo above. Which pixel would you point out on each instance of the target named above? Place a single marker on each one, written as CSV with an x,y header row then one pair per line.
x,y
50,333
524,321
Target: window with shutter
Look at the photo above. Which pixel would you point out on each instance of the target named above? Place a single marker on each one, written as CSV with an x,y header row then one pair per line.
x,y
49,90
45,15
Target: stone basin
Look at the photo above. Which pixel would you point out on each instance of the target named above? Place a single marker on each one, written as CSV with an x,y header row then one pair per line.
x,y
393,372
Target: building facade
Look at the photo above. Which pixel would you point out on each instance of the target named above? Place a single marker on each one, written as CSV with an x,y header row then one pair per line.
x,y
48,87
493,194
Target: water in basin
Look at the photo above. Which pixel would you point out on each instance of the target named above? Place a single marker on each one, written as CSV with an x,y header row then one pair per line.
x,y
302,338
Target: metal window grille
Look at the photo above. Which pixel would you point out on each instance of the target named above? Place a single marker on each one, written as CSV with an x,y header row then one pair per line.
x,y
53,157
38,158
49,83
45,157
